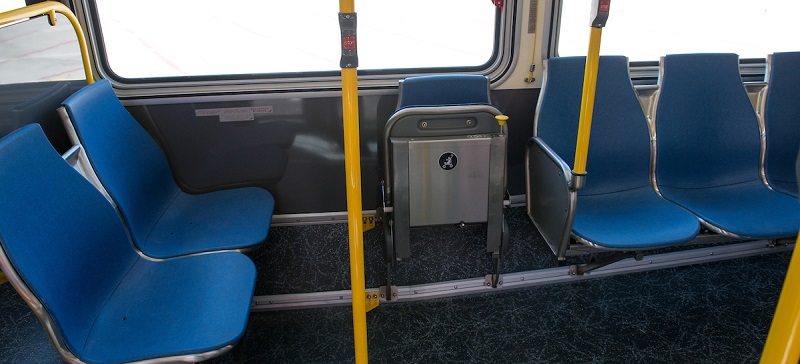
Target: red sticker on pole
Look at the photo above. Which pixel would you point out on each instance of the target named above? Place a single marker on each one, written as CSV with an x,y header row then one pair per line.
x,y
349,42
498,3
604,6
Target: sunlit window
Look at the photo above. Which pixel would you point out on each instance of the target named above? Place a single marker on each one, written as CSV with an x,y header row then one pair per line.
x,y
34,51
150,38
6,5
645,30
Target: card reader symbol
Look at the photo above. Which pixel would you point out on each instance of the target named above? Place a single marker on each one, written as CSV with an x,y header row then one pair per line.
x,y
448,161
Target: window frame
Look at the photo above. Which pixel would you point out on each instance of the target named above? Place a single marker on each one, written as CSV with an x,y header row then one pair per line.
x,y
498,64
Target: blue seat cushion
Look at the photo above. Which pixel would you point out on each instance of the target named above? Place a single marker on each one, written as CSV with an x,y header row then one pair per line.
x,y
746,209
220,220
632,219
174,307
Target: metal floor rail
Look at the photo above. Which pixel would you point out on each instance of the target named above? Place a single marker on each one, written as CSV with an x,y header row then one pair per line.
x,y
522,279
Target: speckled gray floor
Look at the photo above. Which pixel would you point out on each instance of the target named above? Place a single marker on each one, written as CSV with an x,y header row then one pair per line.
x,y
439,253
711,313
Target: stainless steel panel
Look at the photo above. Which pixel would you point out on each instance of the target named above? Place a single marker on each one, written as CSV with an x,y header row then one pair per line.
x,y
551,202
496,193
402,235
448,180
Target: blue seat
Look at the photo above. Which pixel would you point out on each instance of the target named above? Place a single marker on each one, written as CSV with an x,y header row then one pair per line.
x,y
66,251
708,149
163,220
782,121
617,209
439,90
24,103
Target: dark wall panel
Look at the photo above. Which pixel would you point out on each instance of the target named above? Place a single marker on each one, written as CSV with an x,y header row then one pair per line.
x,y
296,151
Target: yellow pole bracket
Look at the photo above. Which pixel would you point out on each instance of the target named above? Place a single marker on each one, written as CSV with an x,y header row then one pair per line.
x,y
373,300
368,222
783,341
50,8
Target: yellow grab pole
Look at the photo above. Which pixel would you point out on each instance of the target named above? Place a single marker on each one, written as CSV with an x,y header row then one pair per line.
x,y
50,8
587,102
352,161
599,15
782,344
532,18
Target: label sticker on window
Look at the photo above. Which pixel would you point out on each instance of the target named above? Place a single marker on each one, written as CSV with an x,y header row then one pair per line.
x,y
228,114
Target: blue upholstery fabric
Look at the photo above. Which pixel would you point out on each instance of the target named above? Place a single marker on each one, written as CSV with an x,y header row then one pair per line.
x,y
50,220
633,219
782,121
163,220
706,128
746,209
441,90
619,148
617,208
179,306
708,148
108,304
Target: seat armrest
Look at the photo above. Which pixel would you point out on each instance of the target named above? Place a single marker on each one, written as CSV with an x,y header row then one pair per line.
x,y
551,198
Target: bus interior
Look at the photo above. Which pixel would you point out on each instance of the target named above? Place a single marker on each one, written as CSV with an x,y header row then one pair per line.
x,y
511,181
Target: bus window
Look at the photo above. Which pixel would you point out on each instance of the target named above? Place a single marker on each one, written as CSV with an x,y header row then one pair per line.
x,y
647,30
6,5
34,51
153,39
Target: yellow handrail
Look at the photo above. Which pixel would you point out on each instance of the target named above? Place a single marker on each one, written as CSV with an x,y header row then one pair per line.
x,y
782,344
533,11
587,101
50,8
352,163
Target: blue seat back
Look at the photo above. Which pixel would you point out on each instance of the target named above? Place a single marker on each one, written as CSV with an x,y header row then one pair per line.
x,y
619,147
782,117
63,238
442,90
130,164
706,128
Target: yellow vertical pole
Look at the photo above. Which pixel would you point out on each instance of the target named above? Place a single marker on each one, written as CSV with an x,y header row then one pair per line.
x,y
783,341
587,101
349,64
599,16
